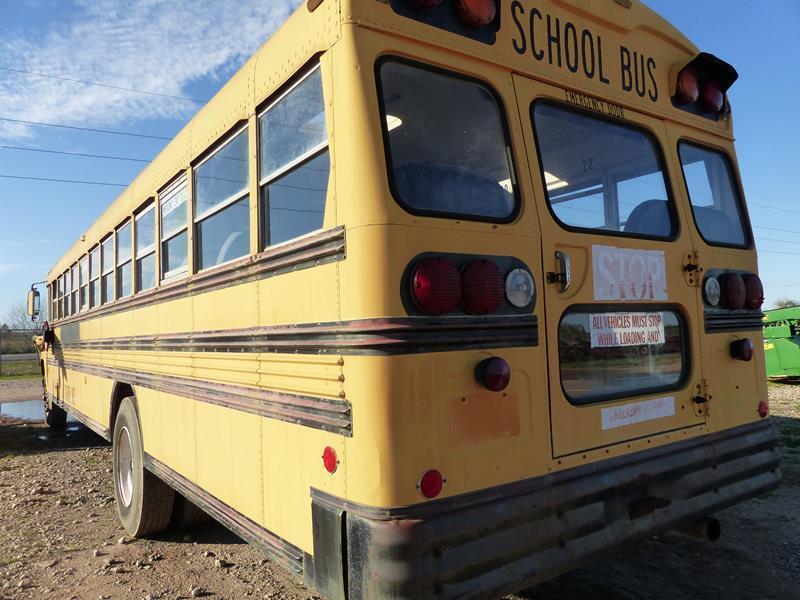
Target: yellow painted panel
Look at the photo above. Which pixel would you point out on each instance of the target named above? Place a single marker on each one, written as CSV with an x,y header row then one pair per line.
x,y
233,307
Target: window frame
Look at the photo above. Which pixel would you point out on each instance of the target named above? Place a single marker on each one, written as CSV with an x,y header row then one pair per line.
x,y
388,162
686,355
83,307
103,272
736,185
162,238
142,253
67,291
649,134
95,302
75,287
119,265
195,221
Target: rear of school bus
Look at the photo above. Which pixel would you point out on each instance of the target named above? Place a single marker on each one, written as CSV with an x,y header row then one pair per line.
x,y
546,226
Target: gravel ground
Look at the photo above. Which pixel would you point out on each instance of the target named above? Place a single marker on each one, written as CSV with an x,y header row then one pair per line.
x,y
15,390
60,538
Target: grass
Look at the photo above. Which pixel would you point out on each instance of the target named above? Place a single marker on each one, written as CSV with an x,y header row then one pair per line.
x,y
23,369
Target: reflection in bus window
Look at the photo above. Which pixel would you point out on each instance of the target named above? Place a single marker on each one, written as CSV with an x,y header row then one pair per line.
x,y
174,239
221,204
602,175
446,144
715,202
601,356
294,163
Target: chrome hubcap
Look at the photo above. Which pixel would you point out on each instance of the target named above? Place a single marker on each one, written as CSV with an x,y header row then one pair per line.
x,y
124,467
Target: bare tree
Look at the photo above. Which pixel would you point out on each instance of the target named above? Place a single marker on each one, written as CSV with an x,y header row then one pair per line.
x,y
17,317
785,303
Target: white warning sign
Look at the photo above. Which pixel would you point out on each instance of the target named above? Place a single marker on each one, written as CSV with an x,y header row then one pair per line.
x,y
628,274
637,412
626,329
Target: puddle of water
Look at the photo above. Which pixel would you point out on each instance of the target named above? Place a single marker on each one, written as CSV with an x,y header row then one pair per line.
x,y
30,410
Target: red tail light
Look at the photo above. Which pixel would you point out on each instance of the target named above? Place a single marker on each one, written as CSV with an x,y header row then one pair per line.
x,y
688,86
733,291
493,373
430,484
436,286
763,409
330,460
477,13
742,349
754,291
482,287
711,97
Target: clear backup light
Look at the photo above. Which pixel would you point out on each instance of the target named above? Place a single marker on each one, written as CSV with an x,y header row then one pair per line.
x,y
711,291
520,288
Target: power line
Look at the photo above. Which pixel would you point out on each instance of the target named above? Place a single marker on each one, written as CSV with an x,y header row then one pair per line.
x,y
105,85
777,229
789,210
140,135
65,180
142,160
766,239
760,251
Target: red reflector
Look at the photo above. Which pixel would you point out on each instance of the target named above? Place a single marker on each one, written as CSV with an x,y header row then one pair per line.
x,y
711,97
436,285
742,349
330,460
733,291
754,291
477,13
493,373
430,484
425,4
688,89
483,287
763,409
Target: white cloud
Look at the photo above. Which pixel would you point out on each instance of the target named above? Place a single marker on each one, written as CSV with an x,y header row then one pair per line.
x,y
154,45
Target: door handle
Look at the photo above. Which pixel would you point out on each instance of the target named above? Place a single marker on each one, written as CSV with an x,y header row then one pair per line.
x,y
563,277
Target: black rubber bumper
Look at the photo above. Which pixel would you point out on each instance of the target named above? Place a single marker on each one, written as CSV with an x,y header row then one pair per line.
x,y
503,539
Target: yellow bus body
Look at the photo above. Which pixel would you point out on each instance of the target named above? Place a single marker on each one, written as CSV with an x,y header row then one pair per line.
x,y
244,373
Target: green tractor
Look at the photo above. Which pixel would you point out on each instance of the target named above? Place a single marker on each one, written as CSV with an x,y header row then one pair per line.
x,y
782,342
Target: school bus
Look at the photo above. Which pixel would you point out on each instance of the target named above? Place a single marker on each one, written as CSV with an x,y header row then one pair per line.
x,y
435,298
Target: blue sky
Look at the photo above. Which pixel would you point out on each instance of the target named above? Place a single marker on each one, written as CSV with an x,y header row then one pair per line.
x,y
189,49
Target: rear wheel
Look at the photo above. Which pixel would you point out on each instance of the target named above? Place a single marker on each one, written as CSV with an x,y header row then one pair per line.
x,y
144,502
54,415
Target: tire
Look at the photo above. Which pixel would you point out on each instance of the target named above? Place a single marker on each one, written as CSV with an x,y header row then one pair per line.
x,y
54,416
144,502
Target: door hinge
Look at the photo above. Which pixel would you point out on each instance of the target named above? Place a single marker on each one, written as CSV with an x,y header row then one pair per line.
x,y
692,269
701,401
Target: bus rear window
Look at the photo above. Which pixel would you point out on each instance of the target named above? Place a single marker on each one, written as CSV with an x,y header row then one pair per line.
x,y
715,202
605,355
446,144
602,175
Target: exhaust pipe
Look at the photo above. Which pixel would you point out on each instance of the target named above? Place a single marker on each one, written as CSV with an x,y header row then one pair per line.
x,y
707,528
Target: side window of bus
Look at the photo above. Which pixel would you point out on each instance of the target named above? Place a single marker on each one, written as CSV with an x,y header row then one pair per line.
x,y
145,248
446,143
84,292
174,237
715,202
222,204
124,275
73,305
107,281
94,277
294,166
602,175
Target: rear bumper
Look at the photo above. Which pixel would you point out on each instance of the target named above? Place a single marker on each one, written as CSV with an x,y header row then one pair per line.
x,y
503,539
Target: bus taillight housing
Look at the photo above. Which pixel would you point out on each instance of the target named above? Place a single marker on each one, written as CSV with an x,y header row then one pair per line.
x,y
482,287
701,86
436,286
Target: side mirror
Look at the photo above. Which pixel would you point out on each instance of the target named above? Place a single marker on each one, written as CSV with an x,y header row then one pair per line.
x,y
34,304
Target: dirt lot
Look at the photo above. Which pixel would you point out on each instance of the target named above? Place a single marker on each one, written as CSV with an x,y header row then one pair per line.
x,y
59,537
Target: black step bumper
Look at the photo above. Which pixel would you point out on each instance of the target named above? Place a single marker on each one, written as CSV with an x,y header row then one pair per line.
x,y
503,539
